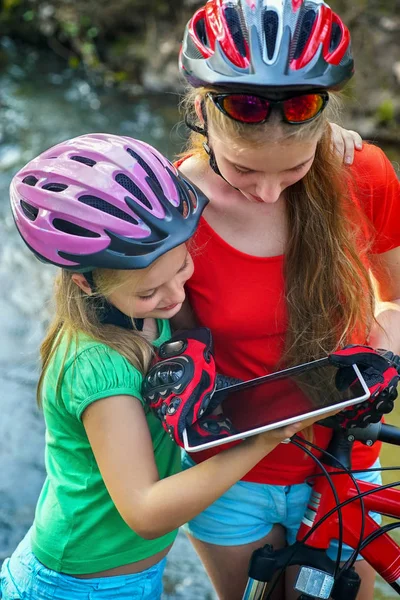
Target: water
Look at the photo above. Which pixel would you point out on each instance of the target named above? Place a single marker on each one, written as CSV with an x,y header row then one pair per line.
x,y
41,103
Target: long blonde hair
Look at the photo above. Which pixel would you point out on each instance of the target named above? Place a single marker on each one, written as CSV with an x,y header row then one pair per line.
x,y
77,312
329,293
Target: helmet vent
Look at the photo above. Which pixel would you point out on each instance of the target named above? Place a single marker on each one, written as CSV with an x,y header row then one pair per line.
x,y
132,188
271,23
303,31
55,187
143,164
183,202
30,180
201,32
85,161
29,211
73,229
336,36
235,28
193,199
185,209
108,208
191,50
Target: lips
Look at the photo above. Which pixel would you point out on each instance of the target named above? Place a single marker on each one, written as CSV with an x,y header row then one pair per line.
x,y
170,307
256,198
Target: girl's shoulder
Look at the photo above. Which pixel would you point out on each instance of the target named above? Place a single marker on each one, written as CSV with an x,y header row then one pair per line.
x,y
82,347
375,189
373,165
83,370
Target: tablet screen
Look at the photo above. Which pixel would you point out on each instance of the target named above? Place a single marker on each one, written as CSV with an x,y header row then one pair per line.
x,y
267,402
284,397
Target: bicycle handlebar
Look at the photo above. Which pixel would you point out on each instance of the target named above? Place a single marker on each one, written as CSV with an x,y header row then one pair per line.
x,y
390,434
374,432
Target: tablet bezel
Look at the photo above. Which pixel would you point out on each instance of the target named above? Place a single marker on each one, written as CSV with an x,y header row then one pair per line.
x,y
282,423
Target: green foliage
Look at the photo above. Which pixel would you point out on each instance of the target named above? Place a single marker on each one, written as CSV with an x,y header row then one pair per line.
x,y
386,112
71,28
74,62
28,15
9,5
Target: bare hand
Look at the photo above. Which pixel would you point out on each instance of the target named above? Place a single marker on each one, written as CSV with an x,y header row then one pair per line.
x,y
345,142
385,332
283,434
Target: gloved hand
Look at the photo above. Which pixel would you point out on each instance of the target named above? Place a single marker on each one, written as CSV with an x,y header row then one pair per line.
x,y
210,428
379,370
180,386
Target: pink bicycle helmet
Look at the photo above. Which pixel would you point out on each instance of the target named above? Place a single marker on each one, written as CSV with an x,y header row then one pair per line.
x,y
103,201
267,45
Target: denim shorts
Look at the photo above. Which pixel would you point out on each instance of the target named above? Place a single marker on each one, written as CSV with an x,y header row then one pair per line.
x,y
248,511
23,577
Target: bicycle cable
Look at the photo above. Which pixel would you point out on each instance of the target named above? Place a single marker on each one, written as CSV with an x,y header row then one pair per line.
x,y
375,534
348,472
370,469
348,501
362,543
353,557
340,540
351,560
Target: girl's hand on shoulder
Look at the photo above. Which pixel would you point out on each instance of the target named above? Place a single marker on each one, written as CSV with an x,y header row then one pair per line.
x,y
385,332
345,142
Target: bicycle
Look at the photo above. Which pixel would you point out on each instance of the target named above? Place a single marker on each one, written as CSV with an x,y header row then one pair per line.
x,y
337,509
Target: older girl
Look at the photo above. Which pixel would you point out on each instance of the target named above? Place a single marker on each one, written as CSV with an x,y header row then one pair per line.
x,y
287,243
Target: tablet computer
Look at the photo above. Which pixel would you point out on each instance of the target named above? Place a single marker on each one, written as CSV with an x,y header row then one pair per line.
x,y
280,399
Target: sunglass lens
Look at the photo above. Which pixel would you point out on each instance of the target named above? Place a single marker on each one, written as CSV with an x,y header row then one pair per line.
x,y
244,108
303,108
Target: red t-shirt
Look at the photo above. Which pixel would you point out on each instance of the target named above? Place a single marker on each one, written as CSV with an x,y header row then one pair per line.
x,y
241,299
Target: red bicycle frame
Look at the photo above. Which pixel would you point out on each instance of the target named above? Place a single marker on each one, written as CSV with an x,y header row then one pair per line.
x,y
336,489
383,554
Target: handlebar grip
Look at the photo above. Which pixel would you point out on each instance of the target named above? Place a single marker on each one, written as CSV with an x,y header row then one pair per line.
x,y
389,434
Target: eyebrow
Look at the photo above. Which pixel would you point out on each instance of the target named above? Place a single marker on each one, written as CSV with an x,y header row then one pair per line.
x,y
291,168
139,292
301,164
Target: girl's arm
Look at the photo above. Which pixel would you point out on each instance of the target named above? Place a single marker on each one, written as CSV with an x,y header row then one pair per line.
x,y
386,332
118,433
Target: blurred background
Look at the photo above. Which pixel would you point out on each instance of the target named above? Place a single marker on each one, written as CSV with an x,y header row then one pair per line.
x,y
71,67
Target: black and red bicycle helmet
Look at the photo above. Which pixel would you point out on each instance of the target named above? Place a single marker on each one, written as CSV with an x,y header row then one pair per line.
x,y
269,45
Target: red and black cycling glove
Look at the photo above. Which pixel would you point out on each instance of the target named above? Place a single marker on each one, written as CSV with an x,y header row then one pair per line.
x,y
180,385
380,372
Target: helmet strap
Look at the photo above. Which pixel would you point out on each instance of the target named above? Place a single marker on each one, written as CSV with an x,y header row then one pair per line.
x,y
207,148
107,313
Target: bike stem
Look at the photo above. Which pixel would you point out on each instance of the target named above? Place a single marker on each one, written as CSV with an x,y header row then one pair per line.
x,y
342,441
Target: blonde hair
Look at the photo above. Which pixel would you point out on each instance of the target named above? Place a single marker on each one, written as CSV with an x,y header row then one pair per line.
x,y
329,292
77,312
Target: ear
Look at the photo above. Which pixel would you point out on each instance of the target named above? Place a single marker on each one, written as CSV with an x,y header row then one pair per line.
x,y
197,106
80,280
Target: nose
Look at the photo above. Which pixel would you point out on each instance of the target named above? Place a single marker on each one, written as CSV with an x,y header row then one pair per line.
x,y
269,189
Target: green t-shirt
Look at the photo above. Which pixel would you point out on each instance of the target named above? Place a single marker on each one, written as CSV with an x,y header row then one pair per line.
x,y
77,528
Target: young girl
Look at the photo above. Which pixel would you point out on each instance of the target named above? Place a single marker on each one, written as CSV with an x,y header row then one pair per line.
x,y
289,240
114,215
